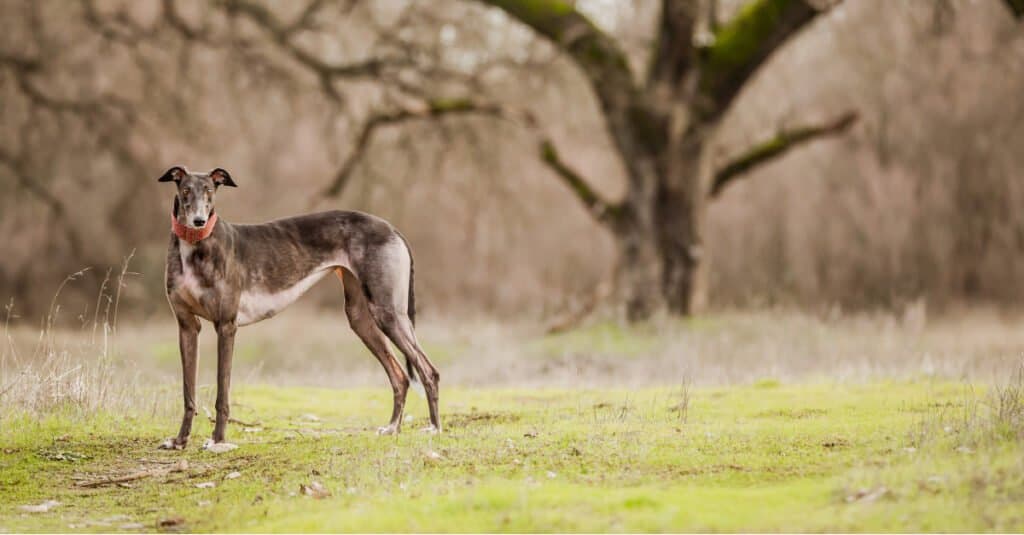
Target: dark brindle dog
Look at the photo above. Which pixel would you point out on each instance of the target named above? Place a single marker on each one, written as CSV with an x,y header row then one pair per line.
x,y
235,275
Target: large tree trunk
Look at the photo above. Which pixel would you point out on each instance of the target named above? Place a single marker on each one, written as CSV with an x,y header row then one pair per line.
x,y
638,272
679,212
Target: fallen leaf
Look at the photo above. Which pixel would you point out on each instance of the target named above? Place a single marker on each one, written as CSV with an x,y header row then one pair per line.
x,y
206,485
233,475
171,522
40,508
530,434
315,489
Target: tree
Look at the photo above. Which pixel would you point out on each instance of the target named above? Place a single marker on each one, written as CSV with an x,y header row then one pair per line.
x,y
660,119
661,126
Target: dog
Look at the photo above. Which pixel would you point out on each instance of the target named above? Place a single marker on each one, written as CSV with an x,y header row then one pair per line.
x,y
236,275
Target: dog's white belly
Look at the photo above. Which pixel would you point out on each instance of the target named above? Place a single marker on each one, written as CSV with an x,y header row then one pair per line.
x,y
255,305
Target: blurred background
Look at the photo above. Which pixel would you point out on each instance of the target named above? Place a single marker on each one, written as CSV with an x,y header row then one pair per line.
x,y
596,192
547,160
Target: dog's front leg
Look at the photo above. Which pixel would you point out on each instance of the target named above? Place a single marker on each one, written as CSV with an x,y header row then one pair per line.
x,y
225,346
188,344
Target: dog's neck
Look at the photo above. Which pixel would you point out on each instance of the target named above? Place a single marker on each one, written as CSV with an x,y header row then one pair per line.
x,y
193,235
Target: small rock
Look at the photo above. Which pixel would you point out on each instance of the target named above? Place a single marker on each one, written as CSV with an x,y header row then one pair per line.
x,y
432,456
206,485
964,449
181,466
219,447
251,429
310,417
315,489
132,526
552,475
40,508
233,475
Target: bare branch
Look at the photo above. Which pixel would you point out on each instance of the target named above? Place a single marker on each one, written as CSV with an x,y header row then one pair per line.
x,y
282,34
781,143
431,110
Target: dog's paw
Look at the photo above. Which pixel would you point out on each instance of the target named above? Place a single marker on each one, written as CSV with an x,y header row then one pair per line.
x,y
218,447
390,429
172,444
430,430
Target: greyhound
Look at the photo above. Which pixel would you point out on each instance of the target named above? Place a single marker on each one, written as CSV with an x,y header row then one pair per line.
x,y
236,275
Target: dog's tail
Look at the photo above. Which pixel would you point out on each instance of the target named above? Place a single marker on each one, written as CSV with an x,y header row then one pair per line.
x,y
412,304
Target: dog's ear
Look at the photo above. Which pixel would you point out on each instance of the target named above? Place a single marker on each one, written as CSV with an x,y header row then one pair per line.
x,y
174,174
222,178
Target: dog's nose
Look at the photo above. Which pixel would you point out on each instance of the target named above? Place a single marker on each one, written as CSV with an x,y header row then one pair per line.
x,y
198,221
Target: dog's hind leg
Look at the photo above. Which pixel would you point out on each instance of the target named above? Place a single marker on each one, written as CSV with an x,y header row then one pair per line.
x,y
399,329
365,327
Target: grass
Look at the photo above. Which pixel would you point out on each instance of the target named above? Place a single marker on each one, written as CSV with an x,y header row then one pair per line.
x,y
736,421
876,456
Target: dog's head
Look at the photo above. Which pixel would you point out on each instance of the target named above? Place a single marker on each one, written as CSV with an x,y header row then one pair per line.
x,y
194,201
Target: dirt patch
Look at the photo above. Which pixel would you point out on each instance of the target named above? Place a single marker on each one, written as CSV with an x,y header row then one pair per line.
x,y
460,420
791,414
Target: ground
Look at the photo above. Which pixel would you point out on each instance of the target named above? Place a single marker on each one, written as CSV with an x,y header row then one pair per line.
x,y
831,457
783,452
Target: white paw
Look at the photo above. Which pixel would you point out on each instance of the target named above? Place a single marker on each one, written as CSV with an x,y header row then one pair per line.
x,y
218,447
387,430
430,430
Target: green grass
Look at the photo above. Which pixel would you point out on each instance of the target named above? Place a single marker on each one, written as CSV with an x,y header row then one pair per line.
x,y
880,456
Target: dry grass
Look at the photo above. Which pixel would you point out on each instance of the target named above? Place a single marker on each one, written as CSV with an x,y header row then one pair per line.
x,y
50,369
102,363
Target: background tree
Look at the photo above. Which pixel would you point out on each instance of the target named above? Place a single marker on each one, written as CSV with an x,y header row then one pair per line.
x,y
451,117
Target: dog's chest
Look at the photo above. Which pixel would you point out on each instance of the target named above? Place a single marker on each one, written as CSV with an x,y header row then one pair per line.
x,y
188,284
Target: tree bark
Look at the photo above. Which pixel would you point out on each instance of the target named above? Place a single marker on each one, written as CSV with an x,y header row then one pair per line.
x,y
679,212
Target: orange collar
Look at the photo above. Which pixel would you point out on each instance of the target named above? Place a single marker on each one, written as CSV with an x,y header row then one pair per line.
x,y
193,235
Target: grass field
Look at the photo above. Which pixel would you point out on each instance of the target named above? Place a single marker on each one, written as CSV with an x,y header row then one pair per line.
x,y
882,456
786,451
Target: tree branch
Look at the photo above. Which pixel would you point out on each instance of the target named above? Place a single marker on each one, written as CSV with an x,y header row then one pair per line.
x,y
781,143
744,43
599,208
597,54
673,52
1017,7
282,34
431,110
